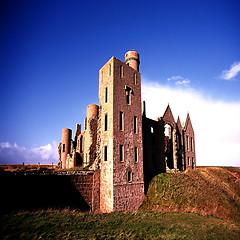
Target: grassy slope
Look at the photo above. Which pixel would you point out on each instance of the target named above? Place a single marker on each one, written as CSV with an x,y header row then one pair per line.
x,y
165,213
207,190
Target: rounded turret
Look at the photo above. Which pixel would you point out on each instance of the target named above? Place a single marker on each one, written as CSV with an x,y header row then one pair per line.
x,y
132,59
66,145
92,111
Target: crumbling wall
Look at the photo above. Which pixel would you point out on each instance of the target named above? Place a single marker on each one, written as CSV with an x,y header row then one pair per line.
x,y
32,191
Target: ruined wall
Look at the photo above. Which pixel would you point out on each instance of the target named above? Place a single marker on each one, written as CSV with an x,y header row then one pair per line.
x,y
96,192
153,149
90,135
31,191
189,147
122,146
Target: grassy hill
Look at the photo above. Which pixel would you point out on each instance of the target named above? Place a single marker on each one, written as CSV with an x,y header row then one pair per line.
x,y
207,190
201,204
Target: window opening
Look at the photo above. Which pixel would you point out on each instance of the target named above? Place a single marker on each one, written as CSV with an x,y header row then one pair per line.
x,y
81,144
192,145
63,148
128,98
167,130
152,130
178,141
106,95
130,176
128,94
187,139
121,71
105,153
188,161
121,149
135,78
135,124
136,154
85,124
110,69
192,163
106,122
121,121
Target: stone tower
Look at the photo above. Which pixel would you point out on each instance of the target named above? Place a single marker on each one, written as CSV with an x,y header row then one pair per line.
x,y
65,146
121,149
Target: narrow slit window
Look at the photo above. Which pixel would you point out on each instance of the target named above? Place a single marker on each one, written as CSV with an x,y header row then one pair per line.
x,y
135,154
85,124
135,78
187,140
192,144
81,144
105,153
63,148
130,176
128,97
121,71
178,141
135,125
110,69
128,94
121,153
188,161
106,122
121,123
106,95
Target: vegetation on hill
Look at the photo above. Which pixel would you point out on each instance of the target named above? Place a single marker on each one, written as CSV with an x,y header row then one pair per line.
x,y
207,190
200,204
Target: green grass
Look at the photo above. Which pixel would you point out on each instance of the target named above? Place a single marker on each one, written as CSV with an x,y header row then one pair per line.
x,y
119,225
200,204
209,190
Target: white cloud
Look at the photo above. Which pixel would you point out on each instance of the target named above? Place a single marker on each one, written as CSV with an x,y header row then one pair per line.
x,y
216,123
15,154
179,80
232,72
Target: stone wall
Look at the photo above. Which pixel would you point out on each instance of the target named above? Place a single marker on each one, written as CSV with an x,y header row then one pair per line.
x,y
128,197
32,191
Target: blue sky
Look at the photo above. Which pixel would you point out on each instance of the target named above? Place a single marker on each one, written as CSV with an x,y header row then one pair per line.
x,y
51,52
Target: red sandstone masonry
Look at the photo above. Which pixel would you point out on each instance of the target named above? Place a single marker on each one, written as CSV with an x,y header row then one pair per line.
x,y
88,186
116,181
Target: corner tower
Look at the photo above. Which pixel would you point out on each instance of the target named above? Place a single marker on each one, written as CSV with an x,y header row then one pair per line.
x,y
121,150
65,146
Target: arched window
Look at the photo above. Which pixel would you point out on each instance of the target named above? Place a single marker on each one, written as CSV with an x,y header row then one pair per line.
x,y
167,130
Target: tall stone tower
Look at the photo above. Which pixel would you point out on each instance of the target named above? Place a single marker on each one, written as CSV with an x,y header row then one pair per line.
x,y
120,131
65,146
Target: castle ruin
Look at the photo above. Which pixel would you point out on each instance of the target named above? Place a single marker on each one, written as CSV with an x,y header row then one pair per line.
x,y
120,147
